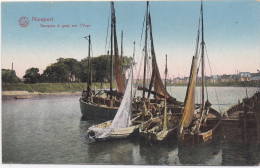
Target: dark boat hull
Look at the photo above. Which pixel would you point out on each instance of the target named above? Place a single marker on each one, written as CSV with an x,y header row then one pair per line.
x,y
243,124
212,130
92,111
196,139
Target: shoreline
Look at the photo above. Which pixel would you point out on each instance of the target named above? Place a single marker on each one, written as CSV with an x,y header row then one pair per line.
x,y
26,94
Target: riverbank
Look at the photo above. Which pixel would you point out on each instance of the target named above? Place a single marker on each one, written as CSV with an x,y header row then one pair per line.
x,y
26,94
51,87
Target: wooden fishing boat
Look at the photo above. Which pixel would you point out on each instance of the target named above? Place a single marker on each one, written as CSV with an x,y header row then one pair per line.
x,y
121,126
118,133
154,130
242,121
99,106
205,125
22,97
155,86
159,128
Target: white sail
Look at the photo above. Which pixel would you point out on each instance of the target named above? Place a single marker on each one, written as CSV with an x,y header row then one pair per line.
x,y
123,115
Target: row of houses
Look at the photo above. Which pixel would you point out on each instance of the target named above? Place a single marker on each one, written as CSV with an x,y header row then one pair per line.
x,y
241,76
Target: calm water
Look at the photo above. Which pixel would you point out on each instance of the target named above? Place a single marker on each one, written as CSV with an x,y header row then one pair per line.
x,y
50,130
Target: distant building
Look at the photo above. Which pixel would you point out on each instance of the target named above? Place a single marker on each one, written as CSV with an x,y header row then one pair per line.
x,y
244,76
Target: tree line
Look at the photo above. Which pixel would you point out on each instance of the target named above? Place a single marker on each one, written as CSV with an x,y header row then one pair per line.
x,y
67,70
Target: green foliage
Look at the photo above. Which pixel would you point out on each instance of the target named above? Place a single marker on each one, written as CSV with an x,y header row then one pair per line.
x,y
32,75
71,70
9,76
64,70
50,87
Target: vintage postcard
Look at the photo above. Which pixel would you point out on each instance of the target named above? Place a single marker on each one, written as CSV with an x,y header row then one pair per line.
x,y
131,83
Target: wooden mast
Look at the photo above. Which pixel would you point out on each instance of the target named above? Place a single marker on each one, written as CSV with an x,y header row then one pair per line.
x,y
202,114
166,71
89,80
165,102
145,49
89,64
121,47
202,60
111,58
120,78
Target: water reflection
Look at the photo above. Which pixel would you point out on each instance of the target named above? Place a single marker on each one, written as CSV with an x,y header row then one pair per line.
x,y
135,151
240,154
158,153
111,152
53,133
199,154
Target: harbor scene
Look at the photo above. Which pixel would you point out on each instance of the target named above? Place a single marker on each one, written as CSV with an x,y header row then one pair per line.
x,y
54,133
139,83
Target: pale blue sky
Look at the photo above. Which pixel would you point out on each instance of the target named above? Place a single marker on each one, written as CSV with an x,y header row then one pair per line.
x,y
232,33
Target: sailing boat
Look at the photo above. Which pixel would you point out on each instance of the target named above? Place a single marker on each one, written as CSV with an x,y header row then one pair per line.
x,y
121,126
159,91
166,123
205,125
99,106
162,127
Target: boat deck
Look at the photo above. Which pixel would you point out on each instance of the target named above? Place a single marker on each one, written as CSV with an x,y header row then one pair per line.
x,y
235,115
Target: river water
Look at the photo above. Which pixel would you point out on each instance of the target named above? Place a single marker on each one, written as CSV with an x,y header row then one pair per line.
x,y
49,130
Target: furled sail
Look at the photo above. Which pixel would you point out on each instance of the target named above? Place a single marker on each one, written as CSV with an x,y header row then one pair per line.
x,y
119,74
189,104
156,78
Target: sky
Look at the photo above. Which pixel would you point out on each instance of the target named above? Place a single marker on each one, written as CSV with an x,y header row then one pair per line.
x,y
231,30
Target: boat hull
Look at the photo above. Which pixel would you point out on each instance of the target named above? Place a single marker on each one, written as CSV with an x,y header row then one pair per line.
x,y
242,124
118,133
92,111
165,134
204,137
210,131
121,133
156,133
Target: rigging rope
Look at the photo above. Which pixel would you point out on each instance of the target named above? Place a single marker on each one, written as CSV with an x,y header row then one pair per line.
x,y
142,32
107,32
139,72
148,65
206,88
211,75
198,100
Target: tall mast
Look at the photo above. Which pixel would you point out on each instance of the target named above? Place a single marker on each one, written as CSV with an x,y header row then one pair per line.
x,y
121,47
111,57
89,64
134,50
165,101
166,71
89,68
145,49
202,59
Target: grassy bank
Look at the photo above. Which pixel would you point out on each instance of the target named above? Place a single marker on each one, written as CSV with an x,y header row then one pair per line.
x,y
76,87
49,87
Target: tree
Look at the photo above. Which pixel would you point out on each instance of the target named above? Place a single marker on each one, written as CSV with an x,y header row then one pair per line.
x,y
32,75
55,73
71,70
9,76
